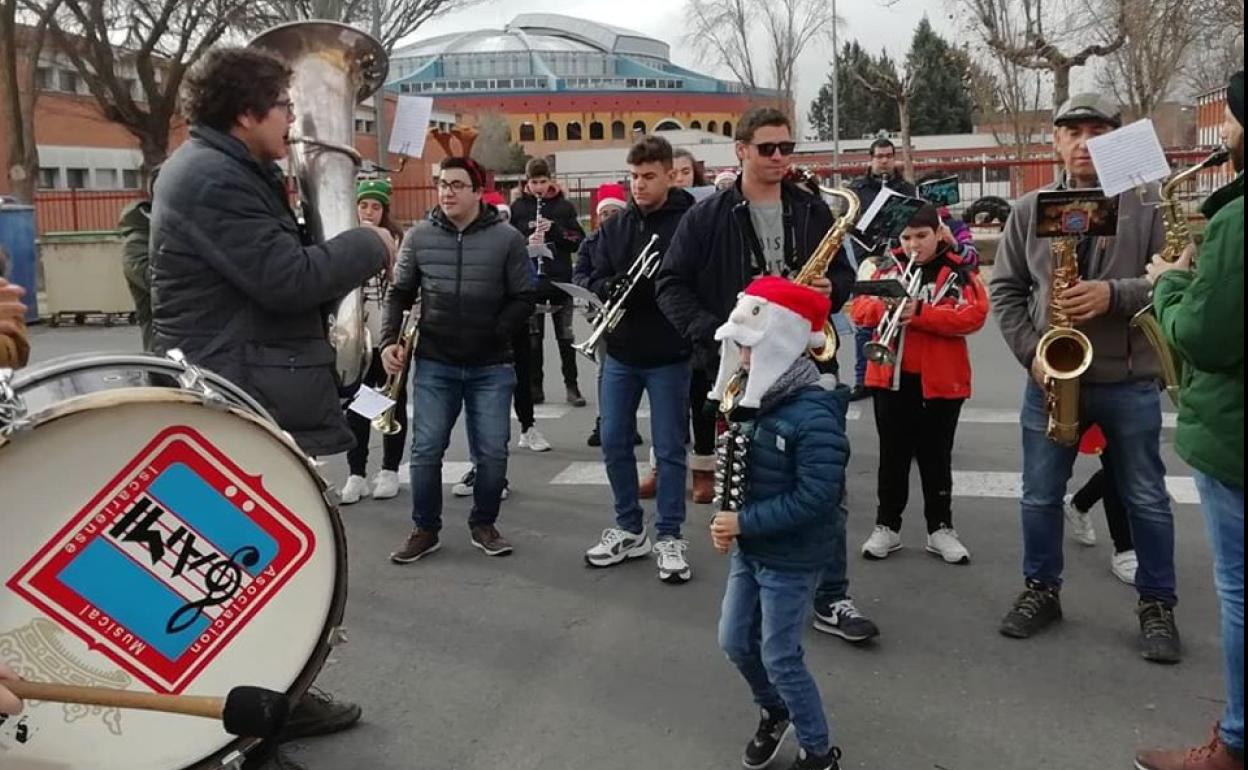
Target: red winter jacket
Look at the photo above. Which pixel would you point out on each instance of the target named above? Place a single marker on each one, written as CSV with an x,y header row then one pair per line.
x,y
933,345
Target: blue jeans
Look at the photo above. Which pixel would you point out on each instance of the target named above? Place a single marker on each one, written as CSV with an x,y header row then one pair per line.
x,y
1224,515
834,585
438,392
620,395
764,614
1129,414
862,335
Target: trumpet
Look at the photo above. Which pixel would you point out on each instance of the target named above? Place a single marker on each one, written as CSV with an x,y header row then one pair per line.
x,y
385,423
644,266
883,350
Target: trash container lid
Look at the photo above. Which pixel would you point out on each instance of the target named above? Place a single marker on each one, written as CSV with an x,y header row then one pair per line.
x,y
79,235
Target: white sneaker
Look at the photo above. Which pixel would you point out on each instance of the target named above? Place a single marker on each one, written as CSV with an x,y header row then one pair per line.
x,y
669,554
532,439
351,492
882,542
944,543
1079,526
463,487
1124,566
617,545
385,485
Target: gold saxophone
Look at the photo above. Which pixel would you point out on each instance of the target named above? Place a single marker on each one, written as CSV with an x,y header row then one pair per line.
x,y
815,267
1064,352
1178,236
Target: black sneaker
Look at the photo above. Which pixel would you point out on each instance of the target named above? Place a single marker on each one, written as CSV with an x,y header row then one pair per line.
x,y
844,620
1035,608
1159,634
595,436
574,396
807,761
773,728
317,713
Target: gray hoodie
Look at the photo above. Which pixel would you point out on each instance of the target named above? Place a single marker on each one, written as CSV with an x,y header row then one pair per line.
x,y
1021,281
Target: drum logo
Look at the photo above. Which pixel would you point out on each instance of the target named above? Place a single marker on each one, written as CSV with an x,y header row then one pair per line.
x,y
167,563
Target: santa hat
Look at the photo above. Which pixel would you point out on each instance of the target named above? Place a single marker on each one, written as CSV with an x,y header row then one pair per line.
x,y
610,194
779,321
495,198
728,176
1093,441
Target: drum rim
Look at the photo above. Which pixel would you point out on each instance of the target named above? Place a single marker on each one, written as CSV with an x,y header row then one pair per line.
x,y
103,399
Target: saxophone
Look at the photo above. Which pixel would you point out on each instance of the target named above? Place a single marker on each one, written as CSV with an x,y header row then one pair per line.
x,y
815,267
1178,236
1064,352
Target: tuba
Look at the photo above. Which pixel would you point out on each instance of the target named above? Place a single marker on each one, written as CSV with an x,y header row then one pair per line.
x,y
1064,352
1178,236
335,67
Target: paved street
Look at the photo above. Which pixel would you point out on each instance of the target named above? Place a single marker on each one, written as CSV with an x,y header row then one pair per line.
x,y
535,661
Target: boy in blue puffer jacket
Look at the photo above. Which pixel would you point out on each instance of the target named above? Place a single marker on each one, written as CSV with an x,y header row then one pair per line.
x,y
786,440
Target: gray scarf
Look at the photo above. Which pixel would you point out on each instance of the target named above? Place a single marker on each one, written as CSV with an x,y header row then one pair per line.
x,y
802,373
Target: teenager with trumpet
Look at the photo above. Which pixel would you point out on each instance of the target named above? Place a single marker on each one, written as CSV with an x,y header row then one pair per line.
x,y
643,353
920,370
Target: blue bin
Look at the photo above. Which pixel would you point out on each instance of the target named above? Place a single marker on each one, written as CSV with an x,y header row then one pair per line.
x,y
17,237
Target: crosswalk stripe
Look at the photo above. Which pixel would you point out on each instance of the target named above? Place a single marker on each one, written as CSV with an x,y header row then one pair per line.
x,y
451,472
970,416
984,484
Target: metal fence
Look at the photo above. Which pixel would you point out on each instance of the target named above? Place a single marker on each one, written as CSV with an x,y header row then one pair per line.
x,y
76,210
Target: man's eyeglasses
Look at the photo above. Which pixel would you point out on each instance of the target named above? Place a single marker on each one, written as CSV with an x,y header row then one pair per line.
x,y
285,104
767,149
889,156
454,186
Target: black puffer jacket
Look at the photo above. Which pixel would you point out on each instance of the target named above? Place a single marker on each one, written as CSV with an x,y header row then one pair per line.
x,y
868,186
475,287
563,238
236,287
715,254
644,337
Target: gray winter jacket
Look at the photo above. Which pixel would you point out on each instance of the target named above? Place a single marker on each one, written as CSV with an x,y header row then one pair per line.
x,y
235,286
476,289
1021,282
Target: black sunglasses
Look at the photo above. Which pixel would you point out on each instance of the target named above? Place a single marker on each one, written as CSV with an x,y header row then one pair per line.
x,y
767,149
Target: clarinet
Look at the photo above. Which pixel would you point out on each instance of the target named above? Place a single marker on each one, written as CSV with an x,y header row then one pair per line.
x,y
537,222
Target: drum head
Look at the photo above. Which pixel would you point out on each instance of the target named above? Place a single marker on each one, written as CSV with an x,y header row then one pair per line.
x,y
150,542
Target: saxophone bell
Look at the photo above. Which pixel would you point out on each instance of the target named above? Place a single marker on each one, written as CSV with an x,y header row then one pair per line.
x,y
817,265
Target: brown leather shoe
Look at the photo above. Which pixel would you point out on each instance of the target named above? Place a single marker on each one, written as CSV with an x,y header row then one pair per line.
x,y
649,486
703,487
419,544
1214,755
489,541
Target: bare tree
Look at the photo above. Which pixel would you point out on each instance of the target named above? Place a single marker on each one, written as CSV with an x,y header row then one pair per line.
x,y
494,148
1221,48
898,85
791,25
1021,32
20,48
720,30
133,55
1158,36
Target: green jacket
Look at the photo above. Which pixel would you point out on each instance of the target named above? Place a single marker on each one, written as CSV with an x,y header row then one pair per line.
x,y
135,227
1202,314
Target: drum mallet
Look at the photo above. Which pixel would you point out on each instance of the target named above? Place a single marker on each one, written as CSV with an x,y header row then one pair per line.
x,y
251,712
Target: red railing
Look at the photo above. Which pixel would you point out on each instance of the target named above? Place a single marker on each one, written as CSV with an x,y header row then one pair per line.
x,y
77,210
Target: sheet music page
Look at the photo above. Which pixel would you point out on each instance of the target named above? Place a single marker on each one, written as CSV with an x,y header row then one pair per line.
x,y
369,403
868,216
1129,157
411,125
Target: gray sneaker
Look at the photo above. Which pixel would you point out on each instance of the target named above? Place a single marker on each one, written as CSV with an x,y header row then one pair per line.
x,y
669,555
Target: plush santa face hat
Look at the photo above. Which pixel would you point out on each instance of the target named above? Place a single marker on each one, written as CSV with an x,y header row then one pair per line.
x,y
610,195
779,321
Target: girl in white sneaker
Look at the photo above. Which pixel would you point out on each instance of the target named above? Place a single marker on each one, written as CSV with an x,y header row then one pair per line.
x,y
921,381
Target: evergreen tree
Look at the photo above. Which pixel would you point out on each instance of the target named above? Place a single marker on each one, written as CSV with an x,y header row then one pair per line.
x,y
862,112
942,101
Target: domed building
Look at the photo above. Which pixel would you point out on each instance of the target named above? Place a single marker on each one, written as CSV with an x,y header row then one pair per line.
x,y
565,83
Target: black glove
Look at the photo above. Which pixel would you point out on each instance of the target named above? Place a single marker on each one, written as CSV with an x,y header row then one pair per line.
x,y
614,286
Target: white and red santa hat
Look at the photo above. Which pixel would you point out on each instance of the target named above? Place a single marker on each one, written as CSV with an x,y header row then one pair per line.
x,y
610,194
779,321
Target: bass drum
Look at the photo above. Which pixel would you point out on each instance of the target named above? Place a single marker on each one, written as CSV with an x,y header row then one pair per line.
x,y
158,533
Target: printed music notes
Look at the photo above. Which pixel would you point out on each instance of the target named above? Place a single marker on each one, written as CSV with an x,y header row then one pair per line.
x,y
1129,157
369,403
411,124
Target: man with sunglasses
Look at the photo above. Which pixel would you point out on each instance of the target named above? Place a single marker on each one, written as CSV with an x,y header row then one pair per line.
x,y
762,225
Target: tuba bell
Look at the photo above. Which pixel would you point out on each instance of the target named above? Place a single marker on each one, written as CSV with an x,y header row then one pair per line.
x,y
335,67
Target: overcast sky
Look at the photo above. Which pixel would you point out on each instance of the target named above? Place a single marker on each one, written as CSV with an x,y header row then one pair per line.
x,y
874,25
